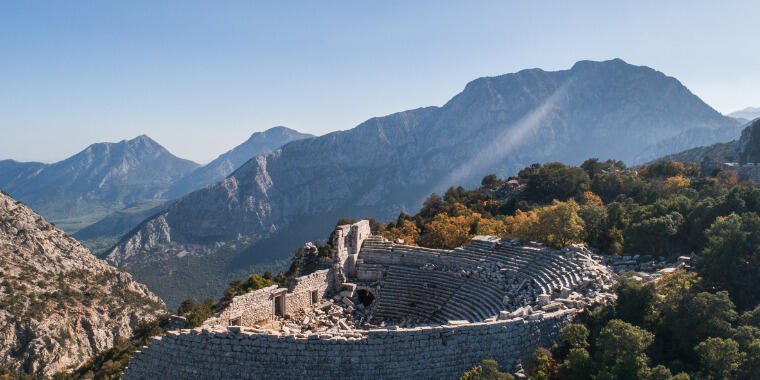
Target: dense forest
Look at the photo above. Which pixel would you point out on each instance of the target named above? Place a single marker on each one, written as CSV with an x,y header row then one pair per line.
x,y
701,323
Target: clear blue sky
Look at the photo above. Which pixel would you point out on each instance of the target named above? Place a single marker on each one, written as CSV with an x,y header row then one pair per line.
x,y
200,77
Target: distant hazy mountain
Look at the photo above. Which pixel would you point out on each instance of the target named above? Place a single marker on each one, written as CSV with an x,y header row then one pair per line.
x,y
744,149
721,152
259,143
14,172
96,181
273,203
59,305
749,113
691,137
104,233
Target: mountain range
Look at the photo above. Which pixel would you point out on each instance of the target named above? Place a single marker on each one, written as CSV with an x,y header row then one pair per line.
x,y
255,217
102,178
107,189
744,149
59,305
747,114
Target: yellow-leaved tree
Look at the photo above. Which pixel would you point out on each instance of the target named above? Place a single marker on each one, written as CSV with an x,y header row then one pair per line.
x,y
522,225
589,198
675,183
408,232
449,232
491,226
559,224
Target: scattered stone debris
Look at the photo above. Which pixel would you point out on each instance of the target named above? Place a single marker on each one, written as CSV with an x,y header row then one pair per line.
x,y
647,268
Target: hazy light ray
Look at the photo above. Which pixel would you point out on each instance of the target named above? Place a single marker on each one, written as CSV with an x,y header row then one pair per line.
x,y
505,143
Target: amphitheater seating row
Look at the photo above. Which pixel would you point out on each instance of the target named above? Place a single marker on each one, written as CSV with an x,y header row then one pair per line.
x,y
438,296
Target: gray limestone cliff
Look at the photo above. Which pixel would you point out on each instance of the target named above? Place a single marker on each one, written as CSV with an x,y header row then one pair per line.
x,y
59,305
215,171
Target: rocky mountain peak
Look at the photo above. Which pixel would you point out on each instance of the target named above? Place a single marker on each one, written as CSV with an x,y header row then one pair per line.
x,y
102,178
258,143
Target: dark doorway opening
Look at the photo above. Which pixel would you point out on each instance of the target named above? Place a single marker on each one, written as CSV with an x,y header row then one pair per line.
x,y
365,297
279,305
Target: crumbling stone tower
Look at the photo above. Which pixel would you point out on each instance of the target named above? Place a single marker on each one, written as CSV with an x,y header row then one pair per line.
x,y
347,241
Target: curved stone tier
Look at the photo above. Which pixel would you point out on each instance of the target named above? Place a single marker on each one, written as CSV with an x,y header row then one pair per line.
x,y
476,282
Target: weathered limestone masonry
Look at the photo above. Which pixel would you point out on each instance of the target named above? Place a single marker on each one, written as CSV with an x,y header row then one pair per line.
x,y
440,352
347,242
381,310
265,304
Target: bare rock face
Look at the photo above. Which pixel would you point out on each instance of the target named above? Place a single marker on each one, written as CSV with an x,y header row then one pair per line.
x,y
258,144
59,305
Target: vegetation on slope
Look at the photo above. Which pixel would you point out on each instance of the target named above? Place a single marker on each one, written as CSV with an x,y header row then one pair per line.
x,y
111,363
702,324
656,210
679,325
59,305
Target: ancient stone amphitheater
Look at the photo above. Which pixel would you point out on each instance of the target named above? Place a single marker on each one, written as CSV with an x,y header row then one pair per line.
x,y
378,309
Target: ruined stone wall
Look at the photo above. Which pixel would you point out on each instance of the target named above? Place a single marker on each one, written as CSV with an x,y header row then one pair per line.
x,y
441,352
747,171
299,295
248,309
347,241
408,255
257,307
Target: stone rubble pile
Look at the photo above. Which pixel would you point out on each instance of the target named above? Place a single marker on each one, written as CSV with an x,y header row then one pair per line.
x,y
647,268
333,315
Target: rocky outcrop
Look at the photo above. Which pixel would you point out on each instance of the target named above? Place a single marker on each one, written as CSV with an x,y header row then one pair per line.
x,y
261,212
749,143
59,305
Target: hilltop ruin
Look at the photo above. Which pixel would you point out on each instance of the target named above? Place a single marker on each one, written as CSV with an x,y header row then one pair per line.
x,y
378,309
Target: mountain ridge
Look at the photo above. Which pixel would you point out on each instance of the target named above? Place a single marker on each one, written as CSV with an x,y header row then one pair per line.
x,y
748,114
101,178
258,143
744,149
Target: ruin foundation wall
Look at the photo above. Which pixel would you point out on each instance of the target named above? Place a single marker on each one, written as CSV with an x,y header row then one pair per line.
x,y
441,352
258,306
